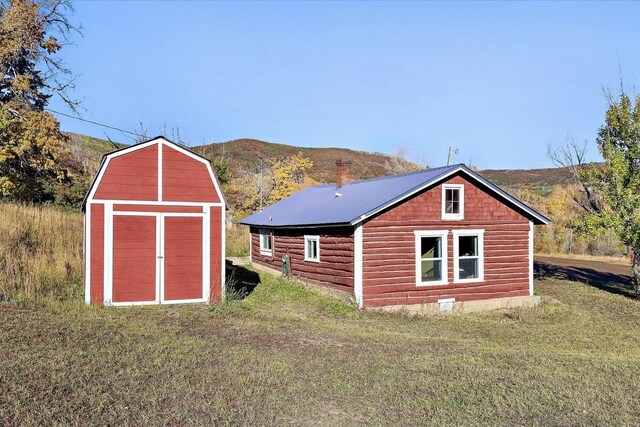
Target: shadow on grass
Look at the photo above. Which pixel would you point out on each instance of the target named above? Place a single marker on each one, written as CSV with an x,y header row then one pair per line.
x,y
240,281
618,284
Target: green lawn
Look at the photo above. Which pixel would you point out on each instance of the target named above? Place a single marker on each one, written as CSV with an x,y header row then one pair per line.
x,y
286,356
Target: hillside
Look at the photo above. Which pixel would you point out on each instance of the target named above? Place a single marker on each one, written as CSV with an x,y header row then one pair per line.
x,y
245,154
540,181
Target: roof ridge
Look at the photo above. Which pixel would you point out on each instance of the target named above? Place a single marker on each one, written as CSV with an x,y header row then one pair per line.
x,y
401,174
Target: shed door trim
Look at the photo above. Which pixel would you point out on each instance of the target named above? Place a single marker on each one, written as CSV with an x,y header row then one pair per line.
x,y
159,298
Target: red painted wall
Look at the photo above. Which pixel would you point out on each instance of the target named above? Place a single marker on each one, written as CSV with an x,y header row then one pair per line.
x,y
335,268
389,249
131,176
185,179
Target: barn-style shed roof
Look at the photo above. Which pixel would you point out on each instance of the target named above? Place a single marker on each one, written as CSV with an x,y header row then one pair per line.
x,y
355,201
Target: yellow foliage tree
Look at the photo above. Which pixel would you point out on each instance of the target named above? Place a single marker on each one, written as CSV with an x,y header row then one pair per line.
x,y
32,148
279,179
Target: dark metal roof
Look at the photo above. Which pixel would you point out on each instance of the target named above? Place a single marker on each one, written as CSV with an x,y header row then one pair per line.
x,y
355,201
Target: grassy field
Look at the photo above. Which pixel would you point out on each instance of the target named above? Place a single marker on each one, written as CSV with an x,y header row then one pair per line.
x,y
286,356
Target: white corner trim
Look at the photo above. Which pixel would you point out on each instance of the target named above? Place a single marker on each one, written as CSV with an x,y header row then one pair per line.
x,y
250,245
160,145
456,257
86,252
107,278
223,252
443,235
531,258
307,256
452,216
358,291
206,254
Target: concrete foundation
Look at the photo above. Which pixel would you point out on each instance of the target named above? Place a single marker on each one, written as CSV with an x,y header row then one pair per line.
x,y
443,306
464,306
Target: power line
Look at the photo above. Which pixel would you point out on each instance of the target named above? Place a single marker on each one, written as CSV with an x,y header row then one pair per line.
x,y
95,123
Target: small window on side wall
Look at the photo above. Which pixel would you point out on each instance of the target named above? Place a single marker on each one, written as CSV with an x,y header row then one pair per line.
x,y
312,248
265,243
453,201
431,258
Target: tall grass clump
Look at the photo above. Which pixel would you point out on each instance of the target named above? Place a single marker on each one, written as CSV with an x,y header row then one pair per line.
x,y
237,238
40,254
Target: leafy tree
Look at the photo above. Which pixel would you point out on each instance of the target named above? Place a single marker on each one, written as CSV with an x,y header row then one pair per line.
x,y
32,148
280,178
610,192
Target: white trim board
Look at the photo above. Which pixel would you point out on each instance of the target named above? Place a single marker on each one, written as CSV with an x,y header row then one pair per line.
x,y
160,257
358,290
531,234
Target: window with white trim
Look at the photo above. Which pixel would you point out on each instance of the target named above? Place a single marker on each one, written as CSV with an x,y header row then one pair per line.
x,y
431,258
453,201
312,248
265,243
468,256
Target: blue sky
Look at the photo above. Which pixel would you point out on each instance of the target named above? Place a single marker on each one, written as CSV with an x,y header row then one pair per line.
x,y
497,81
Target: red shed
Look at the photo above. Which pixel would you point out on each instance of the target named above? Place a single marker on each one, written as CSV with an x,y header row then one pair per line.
x,y
444,237
154,228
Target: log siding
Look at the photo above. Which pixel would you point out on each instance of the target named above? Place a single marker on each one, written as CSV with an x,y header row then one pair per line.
x,y
335,268
389,258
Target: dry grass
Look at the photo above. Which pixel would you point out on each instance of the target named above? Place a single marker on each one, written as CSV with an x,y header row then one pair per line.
x,y
237,239
608,259
40,254
286,356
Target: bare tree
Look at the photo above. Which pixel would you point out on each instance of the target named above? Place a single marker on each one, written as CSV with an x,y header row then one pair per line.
x,y
571,156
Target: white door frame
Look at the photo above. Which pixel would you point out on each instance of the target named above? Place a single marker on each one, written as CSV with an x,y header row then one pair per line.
x,y
160,252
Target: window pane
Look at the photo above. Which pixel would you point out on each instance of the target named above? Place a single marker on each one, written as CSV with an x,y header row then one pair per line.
x,y
431,270
452,201
468,246
312,249
468,268
430,247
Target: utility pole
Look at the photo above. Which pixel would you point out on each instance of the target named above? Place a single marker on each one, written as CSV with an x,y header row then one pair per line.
x,y
261,181
451,151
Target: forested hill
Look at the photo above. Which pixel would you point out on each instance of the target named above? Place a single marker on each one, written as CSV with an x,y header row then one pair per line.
x,y
245,154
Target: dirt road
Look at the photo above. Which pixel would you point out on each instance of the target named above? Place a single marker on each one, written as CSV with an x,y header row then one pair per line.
x,y
612,277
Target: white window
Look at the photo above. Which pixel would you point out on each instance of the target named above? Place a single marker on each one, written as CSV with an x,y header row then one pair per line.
x,y
265,243
312,248
468,256
453,201
431,258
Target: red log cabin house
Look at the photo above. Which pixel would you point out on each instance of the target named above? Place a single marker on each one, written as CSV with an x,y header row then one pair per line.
x,y
444,237
154,228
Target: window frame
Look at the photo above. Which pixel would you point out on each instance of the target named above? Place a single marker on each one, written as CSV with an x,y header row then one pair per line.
x,y
308,239
479,233
452,216
262,233
443,235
